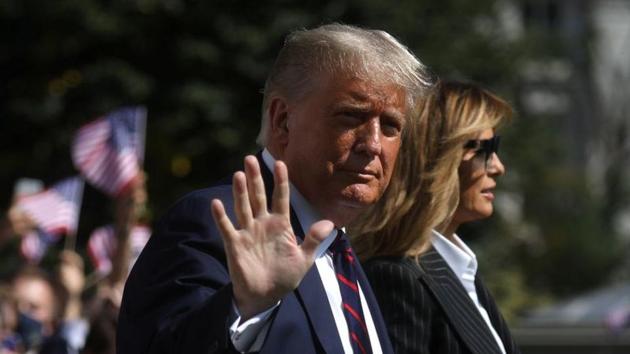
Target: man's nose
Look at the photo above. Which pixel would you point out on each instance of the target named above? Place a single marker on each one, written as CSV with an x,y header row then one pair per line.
x,y
369,137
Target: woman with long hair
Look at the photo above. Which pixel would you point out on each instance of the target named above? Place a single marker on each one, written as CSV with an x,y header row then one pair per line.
x,y
423,275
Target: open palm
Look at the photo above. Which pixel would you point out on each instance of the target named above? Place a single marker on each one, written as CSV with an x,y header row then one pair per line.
x,y
264,259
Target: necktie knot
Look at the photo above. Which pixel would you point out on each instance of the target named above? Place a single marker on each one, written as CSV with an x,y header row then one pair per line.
x,y
341,244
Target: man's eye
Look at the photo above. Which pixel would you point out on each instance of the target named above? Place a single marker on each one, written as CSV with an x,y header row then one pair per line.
x,y
351,117
391,128
351,114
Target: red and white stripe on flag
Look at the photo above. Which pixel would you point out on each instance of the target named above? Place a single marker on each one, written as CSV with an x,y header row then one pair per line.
x,y
55,210
109,151
35,244
103,242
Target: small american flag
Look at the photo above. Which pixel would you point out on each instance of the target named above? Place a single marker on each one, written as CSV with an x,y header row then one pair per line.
x,y
35,243
103,242
109,151
56,210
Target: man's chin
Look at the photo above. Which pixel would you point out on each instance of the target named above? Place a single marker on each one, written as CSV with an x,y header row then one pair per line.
x,y
346,210
359,196
345,205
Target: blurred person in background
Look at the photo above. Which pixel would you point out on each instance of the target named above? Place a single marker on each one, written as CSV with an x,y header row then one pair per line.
x,y
334,108
101,338
15,223
130,209
10,341
71,276
423,275
50,307
41,304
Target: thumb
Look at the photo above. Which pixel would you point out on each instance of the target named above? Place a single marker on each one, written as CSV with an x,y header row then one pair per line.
x,y
318,233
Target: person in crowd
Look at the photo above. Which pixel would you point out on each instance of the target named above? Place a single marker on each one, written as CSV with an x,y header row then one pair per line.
x,y
50,306
10,340
335,107
423,274
71,275
41,304
15,225
124,247
15,222
101,338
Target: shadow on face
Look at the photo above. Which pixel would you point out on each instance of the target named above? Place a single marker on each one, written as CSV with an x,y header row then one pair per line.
x,y
340,143
477,183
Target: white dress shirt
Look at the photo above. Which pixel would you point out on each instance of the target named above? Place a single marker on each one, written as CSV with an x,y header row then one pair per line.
x,y
249,335
462,260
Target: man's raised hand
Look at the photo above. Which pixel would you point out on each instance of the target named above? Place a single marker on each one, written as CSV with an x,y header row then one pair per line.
x,y
264,259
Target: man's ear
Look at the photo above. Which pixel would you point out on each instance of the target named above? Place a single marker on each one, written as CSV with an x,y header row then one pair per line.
x,y
279,120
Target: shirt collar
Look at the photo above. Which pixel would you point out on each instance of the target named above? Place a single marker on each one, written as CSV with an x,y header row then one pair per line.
x,y
306,215
458,255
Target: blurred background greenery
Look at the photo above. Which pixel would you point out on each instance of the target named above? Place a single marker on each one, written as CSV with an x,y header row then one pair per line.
x,y
562,221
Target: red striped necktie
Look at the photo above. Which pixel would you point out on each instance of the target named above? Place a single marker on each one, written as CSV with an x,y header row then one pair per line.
x,y
345,269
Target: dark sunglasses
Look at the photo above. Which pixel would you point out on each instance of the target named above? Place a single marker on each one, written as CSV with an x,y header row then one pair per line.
x,y
486,147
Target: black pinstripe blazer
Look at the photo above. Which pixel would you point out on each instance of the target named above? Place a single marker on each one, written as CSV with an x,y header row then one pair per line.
x,y
427,310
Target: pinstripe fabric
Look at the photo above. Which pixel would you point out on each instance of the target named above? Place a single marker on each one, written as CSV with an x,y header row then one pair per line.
x,y
487,301
427,309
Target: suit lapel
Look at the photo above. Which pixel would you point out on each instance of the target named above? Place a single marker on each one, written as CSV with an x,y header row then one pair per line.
x,y
496,319
456,304
310,292
313,298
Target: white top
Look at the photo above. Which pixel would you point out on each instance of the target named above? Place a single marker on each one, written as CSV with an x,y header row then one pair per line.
x,y
249,336
462,260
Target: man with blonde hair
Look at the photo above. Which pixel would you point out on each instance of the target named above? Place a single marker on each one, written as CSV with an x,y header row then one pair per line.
x,y
335,106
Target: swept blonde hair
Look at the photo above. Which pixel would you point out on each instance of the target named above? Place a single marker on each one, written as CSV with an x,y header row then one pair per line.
x,y
338,50
424,191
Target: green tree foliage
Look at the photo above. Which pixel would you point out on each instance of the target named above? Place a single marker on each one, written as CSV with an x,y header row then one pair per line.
x,y
199,67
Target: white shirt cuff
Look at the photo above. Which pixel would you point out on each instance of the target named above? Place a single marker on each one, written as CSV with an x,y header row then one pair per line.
x,y
249,335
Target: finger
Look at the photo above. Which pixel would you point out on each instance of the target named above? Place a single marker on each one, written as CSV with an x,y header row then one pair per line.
x,y
318,233
242,208
255,186
280,200
222,221
227,231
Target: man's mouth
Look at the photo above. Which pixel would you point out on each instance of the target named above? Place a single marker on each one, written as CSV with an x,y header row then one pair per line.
x,y
364,174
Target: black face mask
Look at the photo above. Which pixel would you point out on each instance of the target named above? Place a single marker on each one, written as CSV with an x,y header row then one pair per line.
x,y
30,330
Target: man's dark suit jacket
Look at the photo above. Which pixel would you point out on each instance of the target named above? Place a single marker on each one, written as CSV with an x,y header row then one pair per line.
x,y
427,309
178,296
